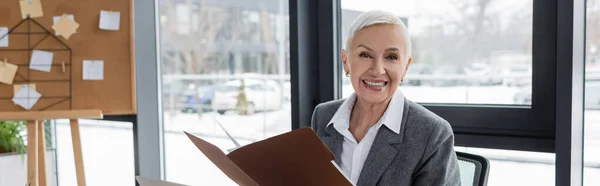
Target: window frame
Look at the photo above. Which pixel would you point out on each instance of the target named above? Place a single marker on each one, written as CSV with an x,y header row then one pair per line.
x,y
314,41
520,127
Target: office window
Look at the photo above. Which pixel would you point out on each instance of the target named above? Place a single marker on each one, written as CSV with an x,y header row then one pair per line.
x,y
107,148
592,95
474,51
222,62
511,42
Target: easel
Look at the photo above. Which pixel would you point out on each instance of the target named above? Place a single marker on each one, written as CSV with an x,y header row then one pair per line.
x,y
36,146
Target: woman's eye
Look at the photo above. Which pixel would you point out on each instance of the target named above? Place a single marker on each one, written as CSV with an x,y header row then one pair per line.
x,y
392,57
364,54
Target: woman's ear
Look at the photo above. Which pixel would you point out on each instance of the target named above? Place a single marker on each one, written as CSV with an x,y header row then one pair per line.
x,y
407,64
345,62
406,68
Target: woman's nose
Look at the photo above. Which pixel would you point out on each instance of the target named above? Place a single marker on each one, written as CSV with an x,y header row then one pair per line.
x,y
377,68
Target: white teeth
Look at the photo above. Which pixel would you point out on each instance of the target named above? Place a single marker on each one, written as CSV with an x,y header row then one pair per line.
x,y
379,84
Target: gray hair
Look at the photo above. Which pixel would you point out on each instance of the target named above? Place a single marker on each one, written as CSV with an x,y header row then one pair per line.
x,y
374,17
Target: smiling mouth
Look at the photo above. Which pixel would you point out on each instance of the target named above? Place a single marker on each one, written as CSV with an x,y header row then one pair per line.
x,y
378,84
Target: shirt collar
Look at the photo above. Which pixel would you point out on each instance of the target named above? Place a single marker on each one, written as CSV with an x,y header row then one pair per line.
x,y
341,118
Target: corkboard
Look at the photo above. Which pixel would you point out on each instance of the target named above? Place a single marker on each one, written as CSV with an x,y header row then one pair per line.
x,y
67,90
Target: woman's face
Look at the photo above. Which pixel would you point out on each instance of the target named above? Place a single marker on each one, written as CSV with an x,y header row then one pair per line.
x,y
376,62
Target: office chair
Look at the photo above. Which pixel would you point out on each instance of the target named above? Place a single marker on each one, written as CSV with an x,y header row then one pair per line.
x,y
473,169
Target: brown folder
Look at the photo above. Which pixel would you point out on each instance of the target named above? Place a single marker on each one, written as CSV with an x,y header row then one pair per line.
x,y
293,158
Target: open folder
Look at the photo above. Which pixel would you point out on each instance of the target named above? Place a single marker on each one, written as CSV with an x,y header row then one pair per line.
x,y
293,158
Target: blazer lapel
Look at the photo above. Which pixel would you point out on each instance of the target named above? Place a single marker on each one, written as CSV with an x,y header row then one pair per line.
x,y
380,156
382,152
333,140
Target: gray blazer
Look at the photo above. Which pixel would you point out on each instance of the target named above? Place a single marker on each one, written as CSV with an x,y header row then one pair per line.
x,y
422,154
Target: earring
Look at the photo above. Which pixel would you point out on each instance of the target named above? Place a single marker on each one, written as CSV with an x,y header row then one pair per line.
x,y
347,74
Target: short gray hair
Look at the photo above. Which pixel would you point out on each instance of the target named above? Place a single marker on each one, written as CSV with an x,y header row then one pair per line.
x,y
374,17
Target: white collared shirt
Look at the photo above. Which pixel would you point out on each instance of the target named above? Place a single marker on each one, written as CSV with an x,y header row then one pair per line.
x,y
354,154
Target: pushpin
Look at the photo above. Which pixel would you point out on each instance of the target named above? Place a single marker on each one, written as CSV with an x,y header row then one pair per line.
x,y
110,12
63,67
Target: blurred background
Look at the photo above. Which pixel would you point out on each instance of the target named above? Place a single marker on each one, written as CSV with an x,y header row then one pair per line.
x,y
229,60
464,52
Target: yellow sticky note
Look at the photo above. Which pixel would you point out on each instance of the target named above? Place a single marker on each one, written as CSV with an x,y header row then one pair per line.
x,y
66,26
18,87
7,72
33,8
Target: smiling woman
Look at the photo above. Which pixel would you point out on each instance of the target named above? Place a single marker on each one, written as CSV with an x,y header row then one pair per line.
x,y
373,63
364,131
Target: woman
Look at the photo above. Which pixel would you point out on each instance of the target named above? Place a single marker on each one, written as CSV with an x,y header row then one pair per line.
x,y
379,137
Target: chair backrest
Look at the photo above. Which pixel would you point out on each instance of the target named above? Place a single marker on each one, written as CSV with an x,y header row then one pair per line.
x,y
474,169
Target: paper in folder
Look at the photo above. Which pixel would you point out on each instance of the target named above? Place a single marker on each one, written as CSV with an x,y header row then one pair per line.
x,y
293,158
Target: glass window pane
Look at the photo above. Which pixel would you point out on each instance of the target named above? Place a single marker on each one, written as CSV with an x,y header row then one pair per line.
x,y
472,51
208,48
592,96
107,148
